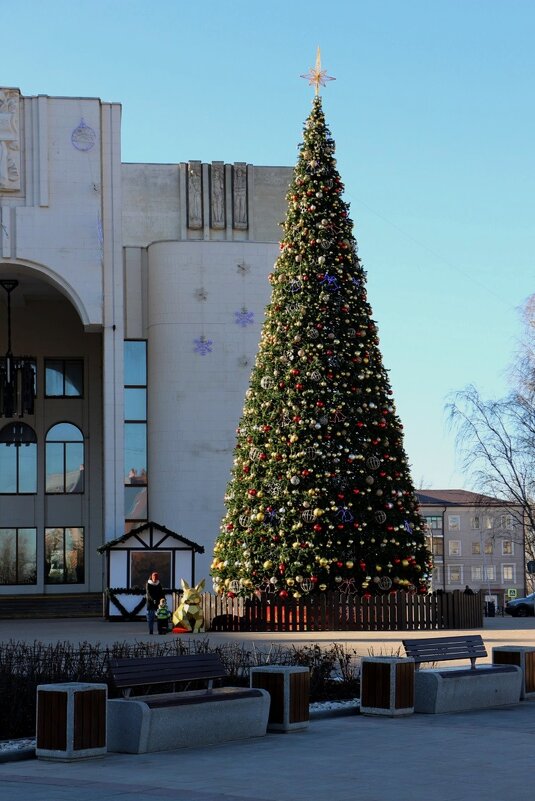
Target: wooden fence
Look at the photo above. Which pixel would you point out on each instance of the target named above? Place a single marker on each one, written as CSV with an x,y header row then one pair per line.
x,y
337,612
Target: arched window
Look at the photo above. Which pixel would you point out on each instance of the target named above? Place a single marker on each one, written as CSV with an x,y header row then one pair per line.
x,y
64,468
18,460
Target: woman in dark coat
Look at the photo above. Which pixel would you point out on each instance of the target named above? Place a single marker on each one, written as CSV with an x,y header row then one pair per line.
x,y
153,594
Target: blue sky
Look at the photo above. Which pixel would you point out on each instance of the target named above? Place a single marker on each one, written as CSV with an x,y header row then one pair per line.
x,y
433,115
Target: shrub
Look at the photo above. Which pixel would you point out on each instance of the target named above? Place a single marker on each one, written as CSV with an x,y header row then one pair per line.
x,y
23,666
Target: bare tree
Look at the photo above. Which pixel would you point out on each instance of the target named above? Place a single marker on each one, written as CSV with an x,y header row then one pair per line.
x,y
496,438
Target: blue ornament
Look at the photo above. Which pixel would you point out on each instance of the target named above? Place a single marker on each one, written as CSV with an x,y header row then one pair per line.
x,y
331,282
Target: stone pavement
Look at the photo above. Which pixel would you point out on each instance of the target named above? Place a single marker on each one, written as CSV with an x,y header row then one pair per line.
x,y
496,631
476,756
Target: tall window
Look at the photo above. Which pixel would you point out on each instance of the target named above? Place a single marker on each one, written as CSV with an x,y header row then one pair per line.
x,y
64,378
490,573
18,556
476,573
507,547
508,573
18,460
435,544
476,548
135,433
455,574
64,556
505,521
475,522
454,548
64,459
454,522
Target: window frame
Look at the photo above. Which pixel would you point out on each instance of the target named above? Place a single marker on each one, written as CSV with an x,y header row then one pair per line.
x,y
64,361
454,522
64,529
19,583
134,481
511,567
18,446
455,567
65,443
451,550
505,522
437,519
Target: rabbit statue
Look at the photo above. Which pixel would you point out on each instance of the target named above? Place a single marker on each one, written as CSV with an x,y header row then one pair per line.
x,y
189,614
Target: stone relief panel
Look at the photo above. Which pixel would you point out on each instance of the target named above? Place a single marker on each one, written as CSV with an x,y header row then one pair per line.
x,y
217,194
239,195
194,190
9,140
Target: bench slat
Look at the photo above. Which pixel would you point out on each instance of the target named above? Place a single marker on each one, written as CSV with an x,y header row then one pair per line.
x,y
440,649
141,671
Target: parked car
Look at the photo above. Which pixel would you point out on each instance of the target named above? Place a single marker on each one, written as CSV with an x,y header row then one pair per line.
x,y
521,607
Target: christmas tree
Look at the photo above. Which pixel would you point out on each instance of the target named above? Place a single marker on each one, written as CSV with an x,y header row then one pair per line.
x,y
320,496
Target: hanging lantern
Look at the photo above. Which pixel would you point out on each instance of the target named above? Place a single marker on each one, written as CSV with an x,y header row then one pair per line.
x,y
17,373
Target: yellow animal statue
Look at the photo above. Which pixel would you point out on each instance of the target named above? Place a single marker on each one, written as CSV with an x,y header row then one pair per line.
x,y
189,614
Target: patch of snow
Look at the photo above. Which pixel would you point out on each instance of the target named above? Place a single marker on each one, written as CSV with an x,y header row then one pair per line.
x,y
13,746
327,707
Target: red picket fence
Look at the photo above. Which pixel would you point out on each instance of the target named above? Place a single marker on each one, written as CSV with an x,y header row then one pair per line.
x,y
339,612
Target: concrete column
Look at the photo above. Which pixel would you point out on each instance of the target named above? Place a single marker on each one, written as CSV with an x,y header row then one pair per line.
x,y
113,334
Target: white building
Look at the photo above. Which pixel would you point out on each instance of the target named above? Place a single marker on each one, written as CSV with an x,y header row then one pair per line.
x,y
137,314
475,540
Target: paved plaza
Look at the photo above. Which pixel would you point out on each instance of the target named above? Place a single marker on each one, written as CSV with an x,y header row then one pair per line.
x,y
477,756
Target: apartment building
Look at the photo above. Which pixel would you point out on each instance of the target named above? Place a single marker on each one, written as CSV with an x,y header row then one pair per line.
x,y
477,541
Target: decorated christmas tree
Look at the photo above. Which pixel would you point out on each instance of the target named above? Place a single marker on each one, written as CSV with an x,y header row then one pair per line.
x,y
321,496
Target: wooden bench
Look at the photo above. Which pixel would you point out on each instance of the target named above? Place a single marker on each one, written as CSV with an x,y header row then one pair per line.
x,y
460,689
144,720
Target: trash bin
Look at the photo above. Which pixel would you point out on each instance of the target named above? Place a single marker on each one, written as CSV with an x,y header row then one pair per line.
x,y
71,721
289,688
490,609
524,657
387,686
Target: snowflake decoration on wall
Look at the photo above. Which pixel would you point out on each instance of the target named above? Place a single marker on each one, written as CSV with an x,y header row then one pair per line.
x,y
244,317
202,345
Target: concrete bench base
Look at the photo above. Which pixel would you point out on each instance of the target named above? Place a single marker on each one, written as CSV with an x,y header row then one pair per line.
x,y
454,690
136,728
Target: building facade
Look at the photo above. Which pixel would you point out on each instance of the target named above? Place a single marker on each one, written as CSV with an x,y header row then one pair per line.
x,y
476,541
131,303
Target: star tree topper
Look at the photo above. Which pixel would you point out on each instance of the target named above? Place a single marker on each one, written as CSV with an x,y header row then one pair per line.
x,y
316,75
